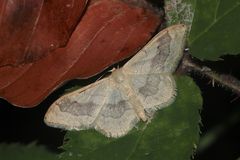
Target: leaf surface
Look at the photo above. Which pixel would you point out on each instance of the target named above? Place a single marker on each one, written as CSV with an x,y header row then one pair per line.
x,y
215,29
180,11
25,152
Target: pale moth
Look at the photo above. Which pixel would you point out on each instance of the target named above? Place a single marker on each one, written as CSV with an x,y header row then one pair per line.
x,y
115,104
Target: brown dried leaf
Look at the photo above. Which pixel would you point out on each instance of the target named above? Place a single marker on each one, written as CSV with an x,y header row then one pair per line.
x,y
30,29
109,31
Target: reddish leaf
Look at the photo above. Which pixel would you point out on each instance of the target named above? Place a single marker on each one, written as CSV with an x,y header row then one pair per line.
x,y
30,29
109,31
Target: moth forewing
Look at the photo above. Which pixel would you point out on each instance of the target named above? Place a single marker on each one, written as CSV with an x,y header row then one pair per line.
x,y
161,54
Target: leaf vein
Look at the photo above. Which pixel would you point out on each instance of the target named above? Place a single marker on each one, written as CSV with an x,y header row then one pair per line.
x,y
216,10
137,142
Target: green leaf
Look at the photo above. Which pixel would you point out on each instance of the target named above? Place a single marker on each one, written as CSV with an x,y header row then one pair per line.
x,y
25,152
171,135
179,11
215,29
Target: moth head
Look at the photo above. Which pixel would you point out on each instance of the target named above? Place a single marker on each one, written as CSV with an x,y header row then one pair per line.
x,y
118,76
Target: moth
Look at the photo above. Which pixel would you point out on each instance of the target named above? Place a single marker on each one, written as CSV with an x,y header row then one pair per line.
x,y
115,104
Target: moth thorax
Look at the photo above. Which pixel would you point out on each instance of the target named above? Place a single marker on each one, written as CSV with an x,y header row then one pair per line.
x,y
118,76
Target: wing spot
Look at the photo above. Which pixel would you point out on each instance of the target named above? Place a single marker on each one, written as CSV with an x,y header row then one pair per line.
x,y
77,109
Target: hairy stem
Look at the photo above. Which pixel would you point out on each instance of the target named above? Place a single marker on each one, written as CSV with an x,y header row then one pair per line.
x,y
227,81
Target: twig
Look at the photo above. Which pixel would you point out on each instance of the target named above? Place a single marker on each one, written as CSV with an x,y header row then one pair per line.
x,y
227,81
